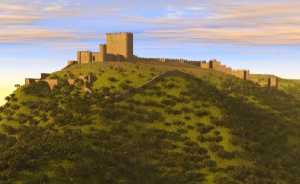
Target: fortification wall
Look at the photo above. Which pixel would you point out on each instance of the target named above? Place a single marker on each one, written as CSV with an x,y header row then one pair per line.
x,y
29,81
103,53
273,82
95,57
120,44
204,65
242,74
79,57
71,82
228,70
72,62
84,57
44,75
52,83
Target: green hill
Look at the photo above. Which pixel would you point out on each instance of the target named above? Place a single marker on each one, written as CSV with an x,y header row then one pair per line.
x,y
151,123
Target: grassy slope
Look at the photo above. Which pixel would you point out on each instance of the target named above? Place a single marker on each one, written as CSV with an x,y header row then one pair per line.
x,y
246,130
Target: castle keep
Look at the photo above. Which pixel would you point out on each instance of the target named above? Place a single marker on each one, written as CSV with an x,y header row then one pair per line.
x,y
119,47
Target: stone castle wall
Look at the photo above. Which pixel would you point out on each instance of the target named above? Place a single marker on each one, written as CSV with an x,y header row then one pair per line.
x,y
103,53
84,57
242,74
273,82
52,83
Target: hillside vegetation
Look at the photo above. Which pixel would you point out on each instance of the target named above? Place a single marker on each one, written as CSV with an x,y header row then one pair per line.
x,y
149,123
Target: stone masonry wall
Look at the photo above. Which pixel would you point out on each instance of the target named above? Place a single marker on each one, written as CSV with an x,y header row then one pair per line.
x,y
273,82
120,44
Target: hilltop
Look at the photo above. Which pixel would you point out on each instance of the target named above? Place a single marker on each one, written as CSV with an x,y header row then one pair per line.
x,y
150,122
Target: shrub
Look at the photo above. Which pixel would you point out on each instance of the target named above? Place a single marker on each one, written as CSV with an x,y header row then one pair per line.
x,y
190,127
141,75
152,103
112,79
170,85
187,118
125,86
204,129
9,129
15,107
22,118
182,131
216,132
154,116
210,163
186,110
219,122
168,124
178,123
128,81
172,111
168,102
201,113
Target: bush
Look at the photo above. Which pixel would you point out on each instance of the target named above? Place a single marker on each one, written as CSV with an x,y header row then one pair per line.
x,y
187,118
152,103
219,150
190,127
182,131
210,163
186,110
125,86
154,116
201,113
203,138
22,118
168,124
112,79
171,85
178,123
204,129
168,102
172,111
9,129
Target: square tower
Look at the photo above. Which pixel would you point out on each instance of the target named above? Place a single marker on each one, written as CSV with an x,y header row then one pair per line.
x,y
273,82
214,64
120,44
84,57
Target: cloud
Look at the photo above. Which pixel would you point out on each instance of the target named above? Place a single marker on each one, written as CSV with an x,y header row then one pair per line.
x,y
12,14
244,36
22,12
228,21
271,22
35,34
17,19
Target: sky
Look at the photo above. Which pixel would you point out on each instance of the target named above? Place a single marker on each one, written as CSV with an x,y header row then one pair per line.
x,y
41,35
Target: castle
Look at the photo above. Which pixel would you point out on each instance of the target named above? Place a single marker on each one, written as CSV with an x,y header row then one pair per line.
x,y
119,47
